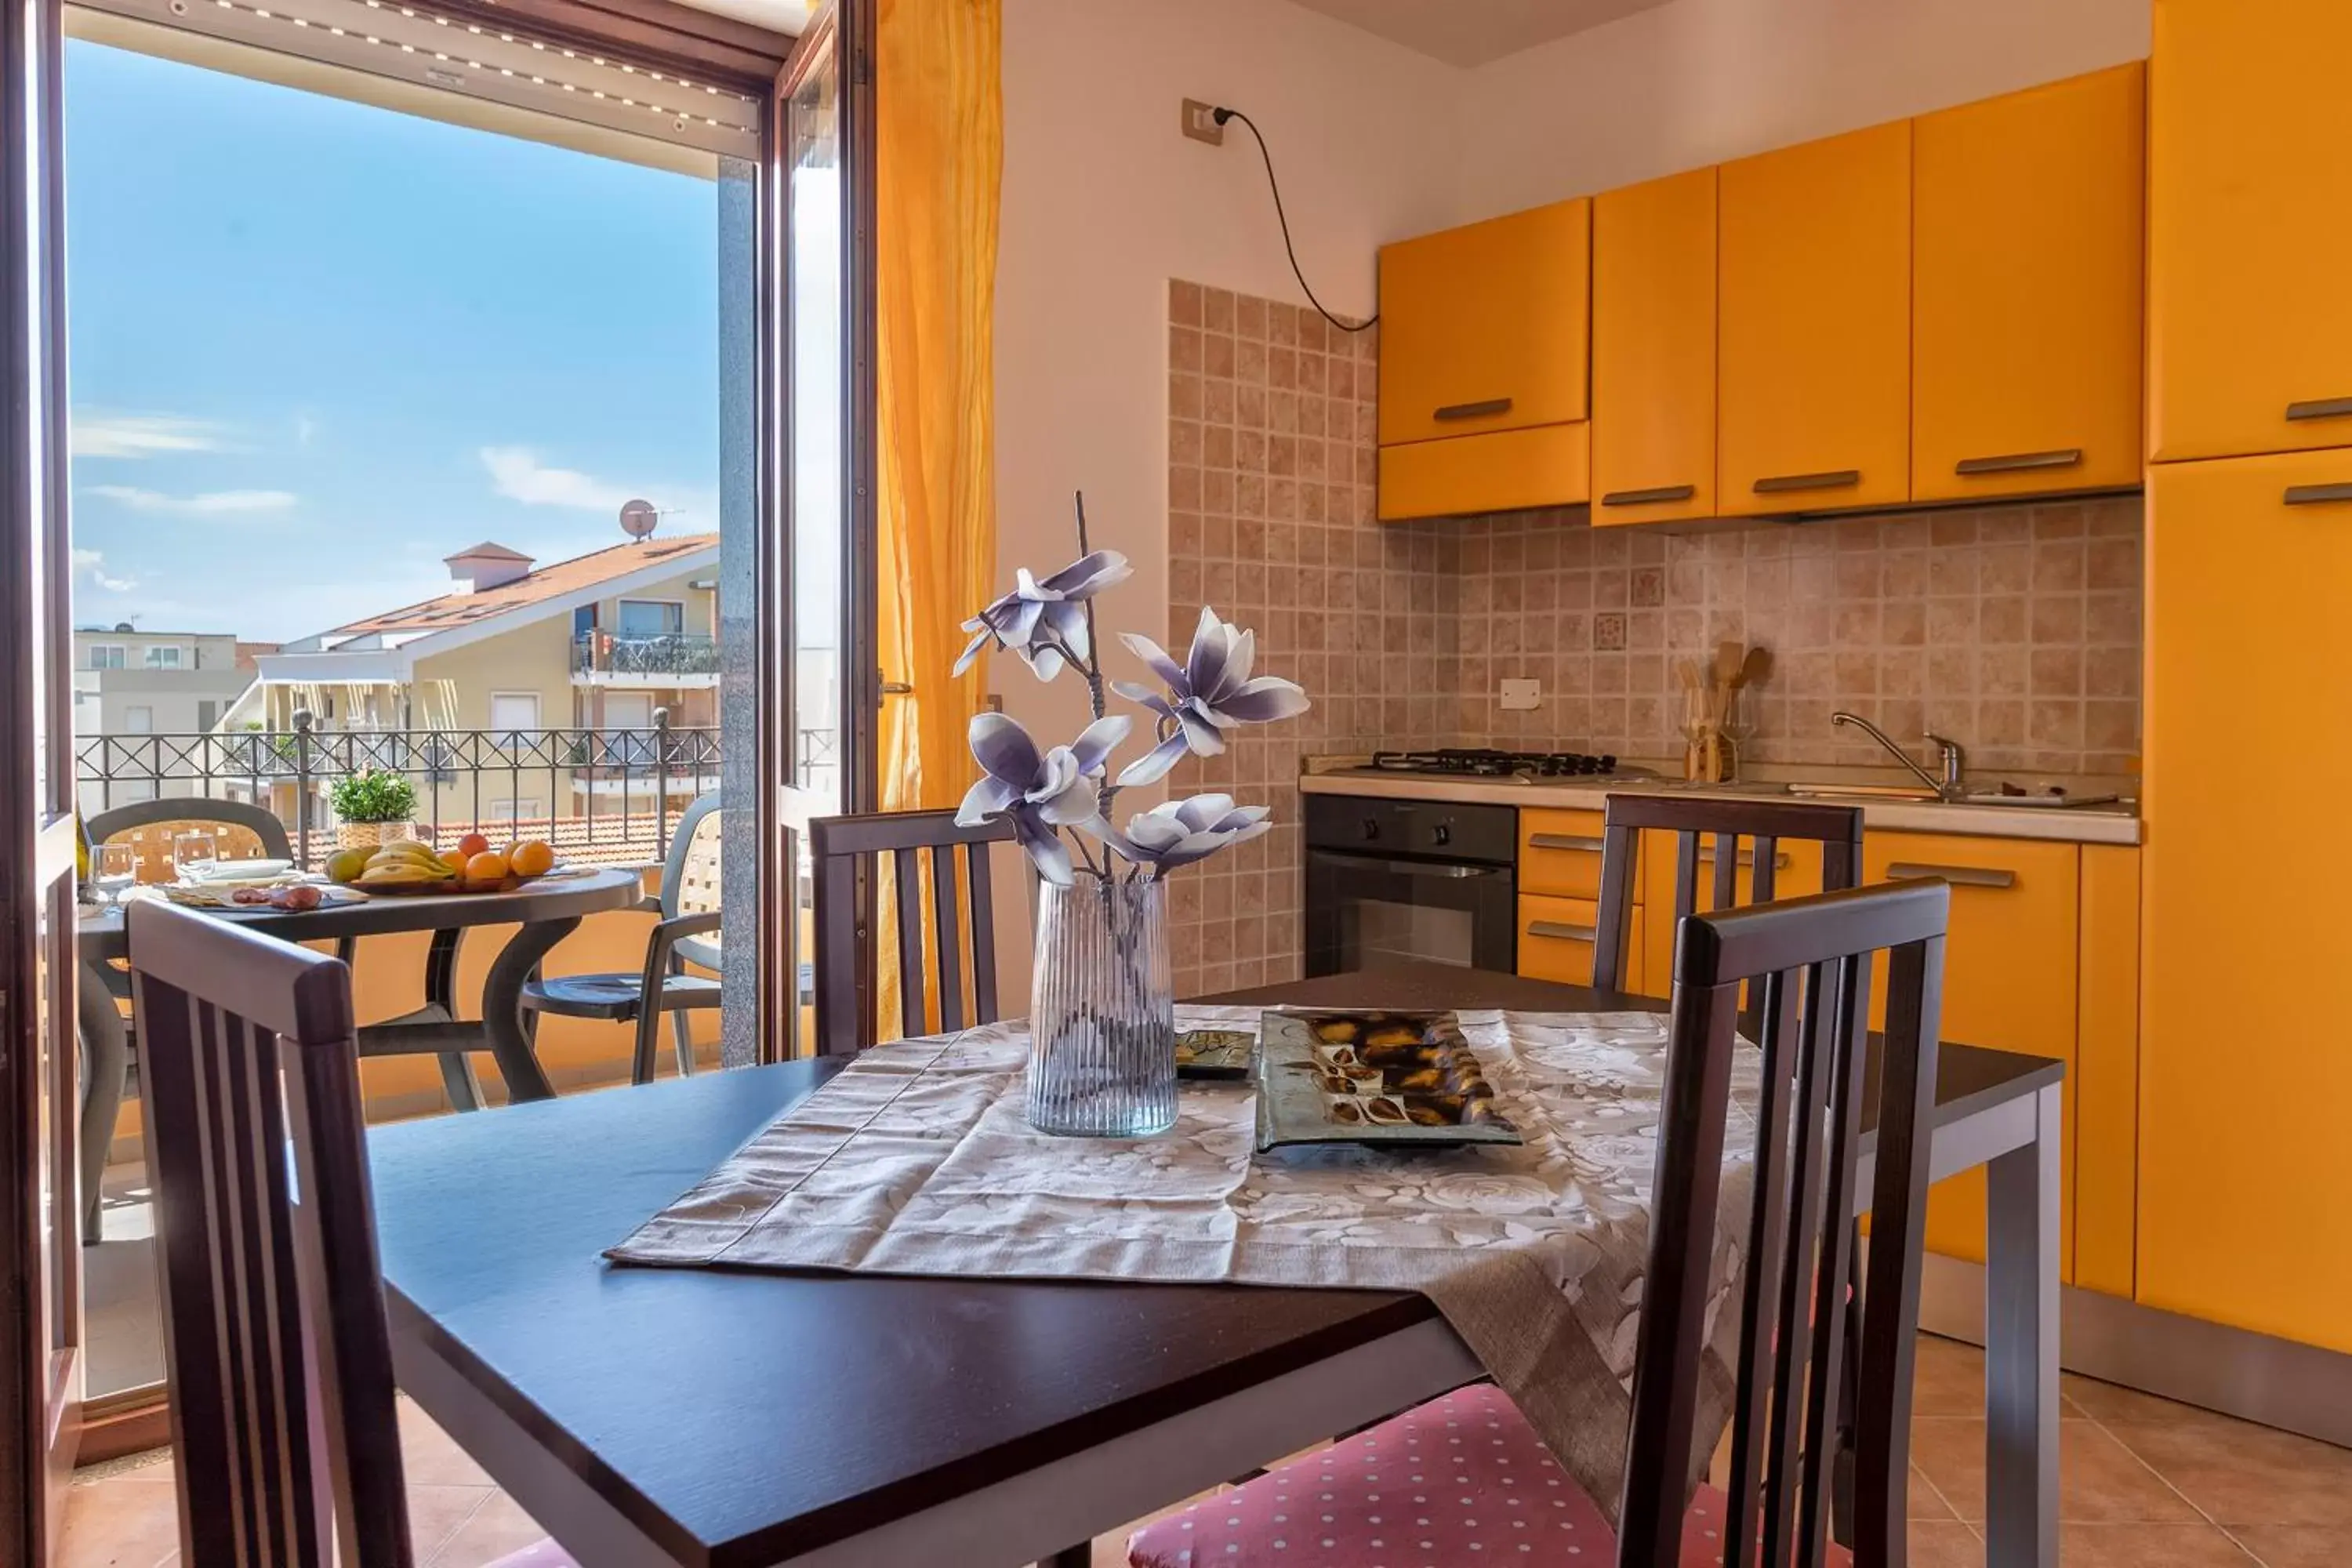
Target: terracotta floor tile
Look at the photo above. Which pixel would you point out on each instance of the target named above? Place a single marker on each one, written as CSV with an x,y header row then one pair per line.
x,y
2239,1473
2100,1481
1923,1501
2107,1401
497,1527
1946,1545
1947,1378
2198,1545
130,1521
2295,1545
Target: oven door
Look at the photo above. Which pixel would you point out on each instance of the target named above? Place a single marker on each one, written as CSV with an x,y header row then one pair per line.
x,y
1363,911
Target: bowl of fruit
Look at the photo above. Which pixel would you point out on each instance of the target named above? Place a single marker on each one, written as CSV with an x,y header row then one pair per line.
x,y
406,868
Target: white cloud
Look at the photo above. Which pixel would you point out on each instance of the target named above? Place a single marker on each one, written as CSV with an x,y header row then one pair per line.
x,y
93,564
518,474
94,435
208,503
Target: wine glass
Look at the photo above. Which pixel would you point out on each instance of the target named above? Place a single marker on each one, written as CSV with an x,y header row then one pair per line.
x,y
192,853
117,870
1737,722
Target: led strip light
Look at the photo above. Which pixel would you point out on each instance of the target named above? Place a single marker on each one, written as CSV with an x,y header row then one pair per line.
x,y
411,43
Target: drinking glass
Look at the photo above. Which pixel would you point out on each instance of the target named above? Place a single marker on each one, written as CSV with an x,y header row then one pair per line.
x,y
191,852
117,870
1737,724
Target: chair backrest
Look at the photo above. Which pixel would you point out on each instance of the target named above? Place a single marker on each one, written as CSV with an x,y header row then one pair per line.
x,y
1764,824
1810,958
844,848
275,1349
690,876
242,831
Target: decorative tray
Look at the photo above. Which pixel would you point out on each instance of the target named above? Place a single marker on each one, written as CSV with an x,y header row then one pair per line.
x,y
1388,1079
1214,1053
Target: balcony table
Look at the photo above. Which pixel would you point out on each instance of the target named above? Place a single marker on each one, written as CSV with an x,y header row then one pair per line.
x,y
547,911
719,1418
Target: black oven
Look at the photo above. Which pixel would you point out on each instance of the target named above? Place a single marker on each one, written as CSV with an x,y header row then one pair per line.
x,y
1430,881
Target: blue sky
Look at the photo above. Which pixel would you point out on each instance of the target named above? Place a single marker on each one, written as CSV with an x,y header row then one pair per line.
x,y
317,346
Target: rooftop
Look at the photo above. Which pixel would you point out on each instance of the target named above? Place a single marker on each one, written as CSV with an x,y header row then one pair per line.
x,y
463,607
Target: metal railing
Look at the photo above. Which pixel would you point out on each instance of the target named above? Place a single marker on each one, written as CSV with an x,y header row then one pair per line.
x,y
629,785
674,653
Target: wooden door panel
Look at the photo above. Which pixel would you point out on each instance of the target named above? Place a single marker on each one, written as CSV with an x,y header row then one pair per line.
x,y
1654,360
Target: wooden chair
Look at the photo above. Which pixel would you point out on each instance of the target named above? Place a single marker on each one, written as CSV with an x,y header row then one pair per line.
x,y
1763,824
278,1356
844,846
1810,961
689,904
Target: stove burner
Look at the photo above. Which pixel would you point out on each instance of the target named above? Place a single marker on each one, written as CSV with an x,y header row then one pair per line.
x,y
1480,762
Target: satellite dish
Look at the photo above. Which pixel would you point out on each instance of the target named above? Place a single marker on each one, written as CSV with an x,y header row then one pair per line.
x,y
639,519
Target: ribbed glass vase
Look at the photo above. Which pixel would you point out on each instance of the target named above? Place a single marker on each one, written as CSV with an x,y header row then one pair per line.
x,y
1102,1011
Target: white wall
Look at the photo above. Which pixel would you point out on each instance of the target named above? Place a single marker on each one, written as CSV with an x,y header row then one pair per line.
x,y
1104,201
1700,81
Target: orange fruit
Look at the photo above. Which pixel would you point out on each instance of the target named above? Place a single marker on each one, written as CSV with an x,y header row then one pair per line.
x,y
473,844
533,857
487,867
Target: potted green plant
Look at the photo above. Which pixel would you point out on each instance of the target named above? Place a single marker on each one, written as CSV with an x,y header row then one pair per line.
x,y
375,808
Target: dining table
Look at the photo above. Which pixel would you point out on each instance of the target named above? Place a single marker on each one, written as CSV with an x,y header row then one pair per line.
x,y
728,1418
544,911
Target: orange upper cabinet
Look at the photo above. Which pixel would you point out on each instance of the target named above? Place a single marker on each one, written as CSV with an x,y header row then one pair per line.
x,y
1814,291
2250,204
2026,265
1653,350
1486,328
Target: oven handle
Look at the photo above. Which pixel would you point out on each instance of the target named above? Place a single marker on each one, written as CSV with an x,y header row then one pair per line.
x,y
1452,871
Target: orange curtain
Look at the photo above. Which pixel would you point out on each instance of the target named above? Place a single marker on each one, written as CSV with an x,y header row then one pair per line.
x,y
938,114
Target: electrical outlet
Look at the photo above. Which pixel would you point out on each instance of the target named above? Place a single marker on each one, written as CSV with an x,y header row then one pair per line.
x,y
1200,123
1521,696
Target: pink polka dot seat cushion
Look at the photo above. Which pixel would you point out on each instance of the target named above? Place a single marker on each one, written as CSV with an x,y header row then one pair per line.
x,y
1460,1482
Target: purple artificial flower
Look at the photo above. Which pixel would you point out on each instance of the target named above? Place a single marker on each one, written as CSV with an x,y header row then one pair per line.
x,y
1040,793
1182,831
1212,692
1038,620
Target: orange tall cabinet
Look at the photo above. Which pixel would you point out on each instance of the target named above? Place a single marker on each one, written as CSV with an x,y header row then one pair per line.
x,y
1484,365
2026,260
1654,360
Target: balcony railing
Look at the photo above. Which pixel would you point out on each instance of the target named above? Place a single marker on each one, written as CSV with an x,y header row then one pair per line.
x,y
615,653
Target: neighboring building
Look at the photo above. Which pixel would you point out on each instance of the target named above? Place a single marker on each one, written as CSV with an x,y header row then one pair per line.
x,y
150,694
543,680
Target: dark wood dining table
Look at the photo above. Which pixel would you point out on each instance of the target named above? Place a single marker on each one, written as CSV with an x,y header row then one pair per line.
x,y
719,1418
546,912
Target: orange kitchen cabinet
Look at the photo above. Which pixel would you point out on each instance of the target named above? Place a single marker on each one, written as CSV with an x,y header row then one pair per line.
x,y
1653,350
1486,328
2012,979
2107,1071
1557,935
1796,872
1813,284
2245,1195
1559,852
1506,471
2249,208
2026,262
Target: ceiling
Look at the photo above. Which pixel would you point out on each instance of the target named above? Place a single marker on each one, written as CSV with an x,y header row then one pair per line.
x,y
777,15
1472,32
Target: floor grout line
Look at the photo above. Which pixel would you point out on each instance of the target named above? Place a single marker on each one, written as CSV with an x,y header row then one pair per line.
x,y
428,1559
2166,1482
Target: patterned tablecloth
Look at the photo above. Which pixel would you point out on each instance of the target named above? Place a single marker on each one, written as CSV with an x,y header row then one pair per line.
x,y
917,1160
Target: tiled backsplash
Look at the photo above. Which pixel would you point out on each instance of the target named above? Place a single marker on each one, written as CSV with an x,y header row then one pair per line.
x,y
2014,630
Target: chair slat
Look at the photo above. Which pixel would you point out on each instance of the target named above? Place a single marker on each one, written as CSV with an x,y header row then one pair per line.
x,y
1825,997
1727,870
1764,876
908,893
1759,1291
1685,872
983,937
1827,1384
946,911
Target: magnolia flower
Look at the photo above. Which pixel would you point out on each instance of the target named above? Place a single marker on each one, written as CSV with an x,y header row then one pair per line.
x,y
1182,831
1038,620
1039,792
1212,692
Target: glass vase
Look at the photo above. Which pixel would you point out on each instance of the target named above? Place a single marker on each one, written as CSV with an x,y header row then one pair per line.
x,y
1102,1011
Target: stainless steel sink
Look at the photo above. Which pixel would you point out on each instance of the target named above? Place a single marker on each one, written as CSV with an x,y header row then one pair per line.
x,y
1919,793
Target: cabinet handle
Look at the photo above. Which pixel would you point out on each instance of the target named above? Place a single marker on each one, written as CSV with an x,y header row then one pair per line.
x,y
1958,876
1561,931
1746,858
2317,495
1474,410
2320,408
1831,479
1565,841
2014,461
1646,498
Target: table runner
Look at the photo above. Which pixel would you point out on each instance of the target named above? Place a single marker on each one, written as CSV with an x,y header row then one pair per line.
x,y
916,1159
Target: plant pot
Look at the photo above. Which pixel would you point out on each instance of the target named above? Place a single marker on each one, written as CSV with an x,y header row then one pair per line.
x,y
369,835
1102,1013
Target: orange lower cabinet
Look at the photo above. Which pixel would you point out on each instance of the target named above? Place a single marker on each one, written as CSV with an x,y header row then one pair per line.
x,y
1555,938
2107,1072
1560,853
2012,982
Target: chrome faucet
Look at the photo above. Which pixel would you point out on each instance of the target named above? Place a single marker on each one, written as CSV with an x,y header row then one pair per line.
x,y
1949,757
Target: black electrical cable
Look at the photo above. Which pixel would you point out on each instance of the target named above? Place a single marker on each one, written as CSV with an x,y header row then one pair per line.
x,y
1221,116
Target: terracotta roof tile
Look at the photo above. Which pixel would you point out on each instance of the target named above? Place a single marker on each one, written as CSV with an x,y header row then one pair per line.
x,y
547,583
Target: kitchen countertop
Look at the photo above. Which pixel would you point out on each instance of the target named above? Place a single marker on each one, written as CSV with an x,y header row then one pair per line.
x,y
2117,824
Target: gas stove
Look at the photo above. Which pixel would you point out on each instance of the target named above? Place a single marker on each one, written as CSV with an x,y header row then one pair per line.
x,y
1482,763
